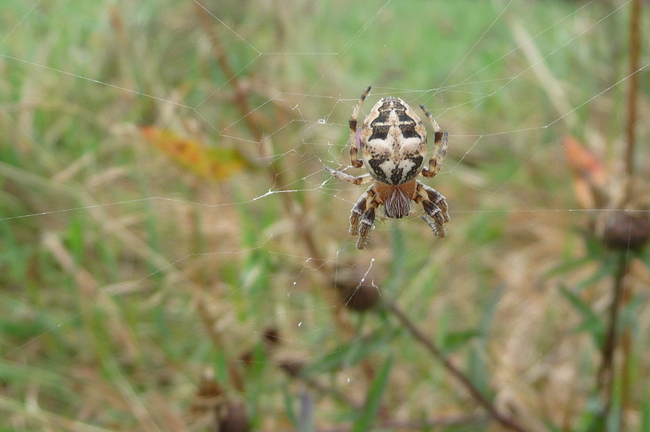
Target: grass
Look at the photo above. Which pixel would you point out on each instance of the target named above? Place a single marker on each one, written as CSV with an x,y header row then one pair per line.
x,y
138,295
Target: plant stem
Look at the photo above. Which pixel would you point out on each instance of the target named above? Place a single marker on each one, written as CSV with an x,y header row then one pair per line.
x,y
250,117
453,370
635,47
254,121
626,346
606,372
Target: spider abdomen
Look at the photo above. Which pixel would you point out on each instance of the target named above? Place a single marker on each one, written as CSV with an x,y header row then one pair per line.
x,y
394,170
393,142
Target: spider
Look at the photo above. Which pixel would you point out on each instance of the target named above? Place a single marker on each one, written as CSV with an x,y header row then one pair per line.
x,y
393,145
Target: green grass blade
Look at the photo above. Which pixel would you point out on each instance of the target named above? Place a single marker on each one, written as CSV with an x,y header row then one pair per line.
x,y
591,322
645,418
371,407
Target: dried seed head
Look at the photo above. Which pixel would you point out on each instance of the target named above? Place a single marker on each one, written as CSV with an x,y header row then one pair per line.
x,y
361,298
357,290
292,367
626,230
209,388
234,418
247,357
272,336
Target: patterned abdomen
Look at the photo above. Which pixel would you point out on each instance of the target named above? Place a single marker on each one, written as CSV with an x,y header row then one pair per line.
x,y
393,142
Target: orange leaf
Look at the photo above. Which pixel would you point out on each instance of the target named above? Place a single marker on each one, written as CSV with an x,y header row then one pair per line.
x,y
590,176
215,163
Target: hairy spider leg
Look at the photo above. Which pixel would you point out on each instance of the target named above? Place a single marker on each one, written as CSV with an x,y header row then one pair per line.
x,y
435,197
363,215
348,178
359,209
439,151
435,208
354,144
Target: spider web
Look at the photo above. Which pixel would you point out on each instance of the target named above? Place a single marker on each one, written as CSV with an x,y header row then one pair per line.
x,y
259,250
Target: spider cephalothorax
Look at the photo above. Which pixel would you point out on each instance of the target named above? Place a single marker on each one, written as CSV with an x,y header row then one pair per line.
x,y
393,144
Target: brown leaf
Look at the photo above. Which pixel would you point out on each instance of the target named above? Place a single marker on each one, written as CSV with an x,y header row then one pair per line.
x,y
590,176
216,163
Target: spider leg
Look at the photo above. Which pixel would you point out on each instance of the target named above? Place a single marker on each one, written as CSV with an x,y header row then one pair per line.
x,y
439,151
348,178
360,208
363,215
435,208
354,144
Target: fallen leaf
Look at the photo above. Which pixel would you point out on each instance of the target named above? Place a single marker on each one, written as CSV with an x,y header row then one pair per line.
x,y
217,163
590,176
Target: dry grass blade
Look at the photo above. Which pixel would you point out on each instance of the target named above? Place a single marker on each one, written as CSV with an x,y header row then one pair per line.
x,y
48,419
91,295
481,399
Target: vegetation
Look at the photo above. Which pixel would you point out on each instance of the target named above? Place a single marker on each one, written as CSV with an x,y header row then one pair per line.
x,y
173,256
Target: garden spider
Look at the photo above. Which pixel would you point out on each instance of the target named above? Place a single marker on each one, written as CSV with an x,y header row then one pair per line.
x,y
393,144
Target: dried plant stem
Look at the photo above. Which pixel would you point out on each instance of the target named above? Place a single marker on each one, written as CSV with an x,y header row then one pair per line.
x,y
606,372
49,420
276,173
240,98
432,423
635,48
550,84
481,399
626,347
622,296
253,122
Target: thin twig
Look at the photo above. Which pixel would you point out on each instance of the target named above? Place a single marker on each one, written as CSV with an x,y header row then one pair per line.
x,y
253,122
606,372
249,116
635,48
453,370
626,347
275,171
553,87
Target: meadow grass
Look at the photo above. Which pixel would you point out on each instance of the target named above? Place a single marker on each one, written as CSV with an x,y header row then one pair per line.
x,y
137,295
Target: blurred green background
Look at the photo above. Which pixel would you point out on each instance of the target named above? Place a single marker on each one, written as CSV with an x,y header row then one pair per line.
x,y
174,257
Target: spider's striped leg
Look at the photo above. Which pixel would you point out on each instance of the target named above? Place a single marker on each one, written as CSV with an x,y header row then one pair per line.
x,y
435,208
354,144
363,215
367,222
440,143
348,178
360,208
438,200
